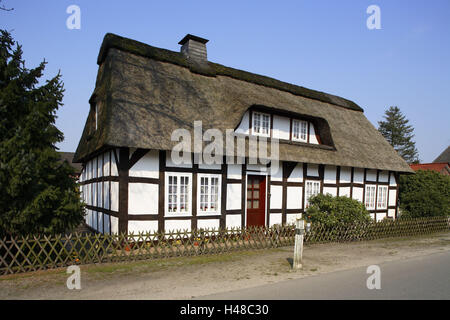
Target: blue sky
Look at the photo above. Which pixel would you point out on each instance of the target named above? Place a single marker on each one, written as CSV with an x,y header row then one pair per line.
x,y
322,45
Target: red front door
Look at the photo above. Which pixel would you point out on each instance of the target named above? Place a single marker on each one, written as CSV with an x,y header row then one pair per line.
x,y
256,200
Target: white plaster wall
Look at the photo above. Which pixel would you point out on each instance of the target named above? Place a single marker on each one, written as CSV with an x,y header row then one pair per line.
x,y
392,197
312,134
106,223
114,171
142,226
277,175
106,163
93,167
114,196
290,218
100,222
143,198
100,194
208,224
234,196
329,174
344,191
147,166
372,215
114,225
281,127
392,181
391,213
276,193
294,198
169,162
330,190
358,175
371,175
313,170
381,216
213,166
100,166
107,195
383,176
233,221
174,225
234,171
275,218
345,175
94,194
87,218
296,174
243,126
276,171
358,193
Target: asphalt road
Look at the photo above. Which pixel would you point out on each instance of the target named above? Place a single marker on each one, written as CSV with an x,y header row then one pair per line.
x,y
426,277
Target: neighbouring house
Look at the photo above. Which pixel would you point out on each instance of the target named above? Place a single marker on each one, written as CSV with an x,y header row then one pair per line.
x,y
68,156
442,168
444,157
441,164
143,94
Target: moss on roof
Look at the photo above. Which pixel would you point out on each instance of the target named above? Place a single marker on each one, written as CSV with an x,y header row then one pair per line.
x,y
213,69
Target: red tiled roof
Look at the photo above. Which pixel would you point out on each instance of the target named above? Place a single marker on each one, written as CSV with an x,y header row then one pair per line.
x,y
439,167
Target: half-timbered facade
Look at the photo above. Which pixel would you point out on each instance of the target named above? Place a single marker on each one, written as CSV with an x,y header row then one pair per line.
x,y
131,184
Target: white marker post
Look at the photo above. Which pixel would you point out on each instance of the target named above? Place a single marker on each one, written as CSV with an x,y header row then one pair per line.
x,y
298,249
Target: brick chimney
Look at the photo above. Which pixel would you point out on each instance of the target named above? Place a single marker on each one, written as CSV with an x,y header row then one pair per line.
x,y
194,48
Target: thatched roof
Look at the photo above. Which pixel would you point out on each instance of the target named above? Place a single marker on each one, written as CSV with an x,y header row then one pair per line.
x,y
147,92
444,156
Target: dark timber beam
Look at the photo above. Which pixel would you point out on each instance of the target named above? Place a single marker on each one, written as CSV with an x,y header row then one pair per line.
x,y
136,156
123,165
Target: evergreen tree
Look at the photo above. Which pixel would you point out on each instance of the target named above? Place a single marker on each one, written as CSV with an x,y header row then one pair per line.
x,y
399,134
37,191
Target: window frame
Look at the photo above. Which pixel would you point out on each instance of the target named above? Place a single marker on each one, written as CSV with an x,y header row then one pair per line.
x,y
385,199
313,182
269,124
366,199
209,176
299,121
188,212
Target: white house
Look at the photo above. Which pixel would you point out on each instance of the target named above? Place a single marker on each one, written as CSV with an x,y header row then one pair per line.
x,y
131,184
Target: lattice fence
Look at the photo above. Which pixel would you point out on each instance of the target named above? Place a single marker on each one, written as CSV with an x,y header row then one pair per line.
x,y
31,253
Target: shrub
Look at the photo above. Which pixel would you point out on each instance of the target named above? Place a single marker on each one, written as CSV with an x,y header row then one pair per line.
x,y
424,194
336,211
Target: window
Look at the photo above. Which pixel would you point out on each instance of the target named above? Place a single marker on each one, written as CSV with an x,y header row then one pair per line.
x,y
261,124
208,193
178,193
312,189
382,197
369,200
299,130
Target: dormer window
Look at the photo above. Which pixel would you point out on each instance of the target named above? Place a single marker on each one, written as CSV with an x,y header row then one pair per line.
x,y
261,124
299,130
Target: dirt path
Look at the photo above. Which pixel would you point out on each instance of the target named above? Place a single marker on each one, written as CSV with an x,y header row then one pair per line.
x,y
184,278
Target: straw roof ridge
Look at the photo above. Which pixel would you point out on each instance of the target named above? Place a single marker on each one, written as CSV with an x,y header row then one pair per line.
x,y
213,69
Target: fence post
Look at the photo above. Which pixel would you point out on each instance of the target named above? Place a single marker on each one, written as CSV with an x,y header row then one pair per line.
x,y
298,248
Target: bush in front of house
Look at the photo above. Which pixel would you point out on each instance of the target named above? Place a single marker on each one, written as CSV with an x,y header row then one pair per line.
x,y
424,194
333,212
